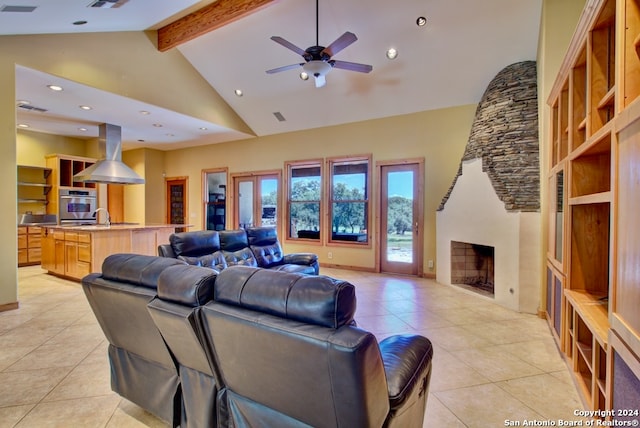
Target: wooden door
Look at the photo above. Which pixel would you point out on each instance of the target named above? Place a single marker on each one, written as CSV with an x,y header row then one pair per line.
x,y
177,201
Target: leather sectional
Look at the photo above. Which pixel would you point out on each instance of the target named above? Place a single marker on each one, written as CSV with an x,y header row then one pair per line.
x,y
254,246
251,347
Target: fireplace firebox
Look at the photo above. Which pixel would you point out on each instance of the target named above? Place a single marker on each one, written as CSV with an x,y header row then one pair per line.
x,y
472,266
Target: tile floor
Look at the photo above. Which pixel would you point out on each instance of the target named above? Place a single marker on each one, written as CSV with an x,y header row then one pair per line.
x,y
491,365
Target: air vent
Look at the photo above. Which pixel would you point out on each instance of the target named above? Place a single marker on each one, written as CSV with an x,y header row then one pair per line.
x,y
9,8
279,116
32,108
107,4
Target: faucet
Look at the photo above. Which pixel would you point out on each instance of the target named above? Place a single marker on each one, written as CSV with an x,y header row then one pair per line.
x,y
108,220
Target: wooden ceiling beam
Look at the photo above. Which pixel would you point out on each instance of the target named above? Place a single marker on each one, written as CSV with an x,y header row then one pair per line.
x,y
209,18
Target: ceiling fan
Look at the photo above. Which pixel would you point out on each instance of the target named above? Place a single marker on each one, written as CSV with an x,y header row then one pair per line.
x,y
317,58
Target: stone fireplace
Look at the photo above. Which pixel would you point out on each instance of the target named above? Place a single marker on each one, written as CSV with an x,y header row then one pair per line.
x,y
491,212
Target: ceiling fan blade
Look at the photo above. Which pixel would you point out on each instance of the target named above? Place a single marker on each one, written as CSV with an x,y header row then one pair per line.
x,y
283,68
352,66
320,81
287,44
341,42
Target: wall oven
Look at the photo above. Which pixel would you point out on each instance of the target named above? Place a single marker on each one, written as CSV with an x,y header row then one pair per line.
x,y
77,206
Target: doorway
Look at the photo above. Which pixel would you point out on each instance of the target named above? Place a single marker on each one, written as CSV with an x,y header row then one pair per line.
x,y
256,199
176,201
401,216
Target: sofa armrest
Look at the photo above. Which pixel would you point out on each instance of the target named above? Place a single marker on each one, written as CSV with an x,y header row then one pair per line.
x,y
300,258
407,365
165,250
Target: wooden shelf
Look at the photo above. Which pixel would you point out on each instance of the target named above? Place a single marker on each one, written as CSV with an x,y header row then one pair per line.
x,y
595,198
592,310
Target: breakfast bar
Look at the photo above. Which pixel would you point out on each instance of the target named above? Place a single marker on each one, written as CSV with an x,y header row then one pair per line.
x,y
75,251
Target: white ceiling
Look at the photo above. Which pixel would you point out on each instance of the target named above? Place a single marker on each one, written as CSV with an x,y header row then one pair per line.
x,y
448,62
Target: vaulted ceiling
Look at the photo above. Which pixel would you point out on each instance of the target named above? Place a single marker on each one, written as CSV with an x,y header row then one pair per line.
x,y
447,62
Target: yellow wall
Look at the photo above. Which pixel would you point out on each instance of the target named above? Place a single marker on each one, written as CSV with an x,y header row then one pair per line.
x,y
31,147
439,136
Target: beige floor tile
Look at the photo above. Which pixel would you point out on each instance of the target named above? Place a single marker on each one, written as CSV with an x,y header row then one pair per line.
x,y
495,364
128,415
85,380
86,412
449,372
10,416
57,355
11,354
542,354
485,406
454,338
437,415
545,394
29,386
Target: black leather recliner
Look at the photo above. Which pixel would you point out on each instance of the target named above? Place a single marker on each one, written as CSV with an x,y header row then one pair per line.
x,y
142,368
254,246
289,355
181,291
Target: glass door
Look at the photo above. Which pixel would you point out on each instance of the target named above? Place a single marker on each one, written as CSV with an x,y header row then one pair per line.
x,y
256,200
400,219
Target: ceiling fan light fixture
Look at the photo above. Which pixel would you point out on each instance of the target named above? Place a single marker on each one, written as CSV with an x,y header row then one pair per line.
x,y
317,68
392,53
421,21
304,75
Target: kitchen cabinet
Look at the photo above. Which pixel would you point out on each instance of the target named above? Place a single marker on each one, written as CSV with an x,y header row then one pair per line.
x,y
75,251
593,284
63,168
29,245
34,185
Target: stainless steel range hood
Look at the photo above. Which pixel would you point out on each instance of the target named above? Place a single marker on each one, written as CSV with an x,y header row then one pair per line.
x,y
111,169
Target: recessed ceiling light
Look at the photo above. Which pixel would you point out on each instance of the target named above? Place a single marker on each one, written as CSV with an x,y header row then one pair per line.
x,y
82,129
170,135
202,128
144,112
392,53
157,125
421,21
55,88
304,75
79,22
23,103
86,107
23,125
238,92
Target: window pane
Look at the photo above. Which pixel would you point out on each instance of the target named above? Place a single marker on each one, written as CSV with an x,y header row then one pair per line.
x,y
245,203
305,220
349,221
305,190
350,182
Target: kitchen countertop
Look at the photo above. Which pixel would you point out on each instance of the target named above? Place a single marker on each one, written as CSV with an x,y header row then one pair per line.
x,y
114,226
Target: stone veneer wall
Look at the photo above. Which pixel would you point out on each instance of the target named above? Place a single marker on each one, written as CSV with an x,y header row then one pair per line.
x,y
504,135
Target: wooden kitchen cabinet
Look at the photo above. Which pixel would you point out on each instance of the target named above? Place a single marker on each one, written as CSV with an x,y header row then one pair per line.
x,y
74,252
29,245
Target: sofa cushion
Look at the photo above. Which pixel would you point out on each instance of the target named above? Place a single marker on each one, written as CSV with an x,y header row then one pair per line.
x,y
316,300
233,240
136,269
264,243
214,261
187,285
305,269
241,257
197,243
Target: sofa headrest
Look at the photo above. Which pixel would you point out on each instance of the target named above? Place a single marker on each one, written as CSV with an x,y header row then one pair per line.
x,y
186,284
316,300
233,240
262,235
197,243
136,269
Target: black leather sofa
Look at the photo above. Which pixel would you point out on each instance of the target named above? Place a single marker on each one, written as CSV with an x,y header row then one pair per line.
x,y
253,347
254,246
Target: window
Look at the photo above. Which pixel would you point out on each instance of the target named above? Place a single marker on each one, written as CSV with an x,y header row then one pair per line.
x,y
256,196
349,199
303,199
